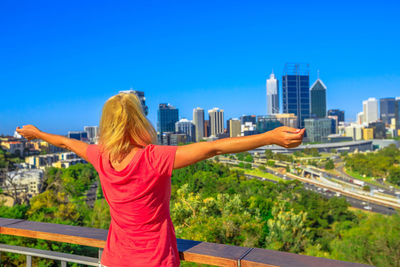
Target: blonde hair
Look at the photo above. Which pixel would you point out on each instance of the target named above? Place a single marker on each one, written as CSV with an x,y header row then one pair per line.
x,y
124,124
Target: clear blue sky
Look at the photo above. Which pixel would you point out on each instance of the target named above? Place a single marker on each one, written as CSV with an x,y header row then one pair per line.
x,y
60,60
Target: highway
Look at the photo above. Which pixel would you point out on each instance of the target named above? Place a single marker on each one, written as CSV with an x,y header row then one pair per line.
x,y
326,192
354,202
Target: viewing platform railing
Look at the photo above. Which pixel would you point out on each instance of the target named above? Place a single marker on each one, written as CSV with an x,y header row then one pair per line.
x,y
189,250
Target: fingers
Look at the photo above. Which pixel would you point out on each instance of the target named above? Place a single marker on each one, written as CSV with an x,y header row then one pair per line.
x,y
295,136
290,129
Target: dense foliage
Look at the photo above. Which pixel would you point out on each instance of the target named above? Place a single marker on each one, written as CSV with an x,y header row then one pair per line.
x,y
213,203
383,163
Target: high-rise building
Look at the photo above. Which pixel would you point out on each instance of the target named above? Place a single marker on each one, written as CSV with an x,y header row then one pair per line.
x,y
167,116
172,139
92,132
78,135
337,112
248,128
141,97
184,126
318,99
272,95
207,128
335,124
216,121
379,129
234,128
370,110
318,129
248,118
287,119
267,123
198,120
354,131
387,109
296,91
397,113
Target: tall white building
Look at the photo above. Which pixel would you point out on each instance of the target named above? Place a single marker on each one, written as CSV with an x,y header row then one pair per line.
x,y
216,121
198,121
184,126
370,110
92,132
272,95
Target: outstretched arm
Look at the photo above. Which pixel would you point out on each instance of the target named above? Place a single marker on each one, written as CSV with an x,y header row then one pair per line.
x,y
283,136
31,132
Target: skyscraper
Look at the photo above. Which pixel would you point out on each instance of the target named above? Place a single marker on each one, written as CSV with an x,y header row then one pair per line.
x,y
78,135
92,132
267,123
167,116
318,129
248,118
296,91
337,112
216,121
286,119
198,121
234,128
397,113
370,110
387,109
141,97
272,95
318,99
184,126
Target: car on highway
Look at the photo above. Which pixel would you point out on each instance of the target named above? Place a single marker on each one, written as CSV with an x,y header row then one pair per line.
x,y
367,207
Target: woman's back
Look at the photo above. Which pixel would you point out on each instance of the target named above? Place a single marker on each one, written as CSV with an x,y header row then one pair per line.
x,y
141,232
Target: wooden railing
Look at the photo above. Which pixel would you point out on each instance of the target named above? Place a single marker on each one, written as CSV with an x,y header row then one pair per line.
x,y
189,250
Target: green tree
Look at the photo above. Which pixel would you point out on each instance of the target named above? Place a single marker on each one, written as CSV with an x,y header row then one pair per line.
x,y
366,188
248,158
287,230
374,241
269,154
329,165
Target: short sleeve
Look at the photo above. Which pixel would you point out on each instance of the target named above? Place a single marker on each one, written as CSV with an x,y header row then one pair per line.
x,y
92,154
162,158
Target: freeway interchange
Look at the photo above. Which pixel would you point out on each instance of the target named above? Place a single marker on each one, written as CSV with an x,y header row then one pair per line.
x,y
328,185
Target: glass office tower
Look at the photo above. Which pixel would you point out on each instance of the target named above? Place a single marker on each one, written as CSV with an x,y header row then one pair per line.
x,y
296,91
167,116
318,99
142,98
337,112
387,109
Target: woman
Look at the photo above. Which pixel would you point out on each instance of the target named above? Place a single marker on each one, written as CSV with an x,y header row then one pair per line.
x,y
135,177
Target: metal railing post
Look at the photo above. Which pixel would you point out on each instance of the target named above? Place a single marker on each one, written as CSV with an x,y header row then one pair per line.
x,y
28,261
100,252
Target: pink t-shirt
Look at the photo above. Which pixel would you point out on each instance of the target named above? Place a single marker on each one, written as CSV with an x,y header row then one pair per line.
x,y
141,231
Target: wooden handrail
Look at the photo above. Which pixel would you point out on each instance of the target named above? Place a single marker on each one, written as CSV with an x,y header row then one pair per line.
x,y
189,250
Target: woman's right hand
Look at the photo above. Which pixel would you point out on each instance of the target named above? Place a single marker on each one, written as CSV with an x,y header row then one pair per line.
x,y
30,132
287,137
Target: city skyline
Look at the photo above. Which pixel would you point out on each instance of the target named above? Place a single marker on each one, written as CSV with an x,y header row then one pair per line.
x,y
57,72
